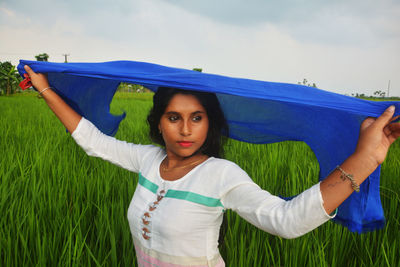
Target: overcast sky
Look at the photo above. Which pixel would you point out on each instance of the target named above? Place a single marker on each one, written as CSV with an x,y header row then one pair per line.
x,y
344,46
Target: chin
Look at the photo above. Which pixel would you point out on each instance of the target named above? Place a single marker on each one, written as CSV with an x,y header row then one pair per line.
x,y
186,154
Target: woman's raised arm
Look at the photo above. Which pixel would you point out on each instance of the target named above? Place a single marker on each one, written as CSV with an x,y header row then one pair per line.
x,y
63,111
376,136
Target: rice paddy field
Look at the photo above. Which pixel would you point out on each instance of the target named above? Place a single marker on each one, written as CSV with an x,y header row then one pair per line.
x,y
60,207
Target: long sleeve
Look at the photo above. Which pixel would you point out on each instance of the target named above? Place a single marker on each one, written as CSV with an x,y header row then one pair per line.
x,y
288,219
126,155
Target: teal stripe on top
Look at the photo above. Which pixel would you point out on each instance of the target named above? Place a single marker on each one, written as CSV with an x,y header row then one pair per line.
x,y
184,195
193,197
148,184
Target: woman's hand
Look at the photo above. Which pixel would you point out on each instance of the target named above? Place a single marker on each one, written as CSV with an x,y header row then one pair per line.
x,y
63,111
376,136
39,80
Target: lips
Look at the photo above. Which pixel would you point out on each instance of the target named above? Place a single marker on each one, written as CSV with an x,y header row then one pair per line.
x,y
185,143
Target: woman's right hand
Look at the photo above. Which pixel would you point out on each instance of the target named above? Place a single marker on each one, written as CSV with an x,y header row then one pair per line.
x,y
39,80
63,111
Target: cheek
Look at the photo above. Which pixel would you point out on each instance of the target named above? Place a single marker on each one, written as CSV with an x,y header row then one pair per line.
x,y
168,131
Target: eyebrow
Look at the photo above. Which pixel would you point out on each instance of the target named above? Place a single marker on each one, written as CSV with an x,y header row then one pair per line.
x,y
177,113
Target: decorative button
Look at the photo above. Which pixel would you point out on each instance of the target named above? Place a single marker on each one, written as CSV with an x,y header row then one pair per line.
x,y
145,233
152,208
147,215
146,236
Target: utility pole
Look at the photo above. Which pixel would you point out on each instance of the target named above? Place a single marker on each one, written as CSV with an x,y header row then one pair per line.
x,y
65,56
388,88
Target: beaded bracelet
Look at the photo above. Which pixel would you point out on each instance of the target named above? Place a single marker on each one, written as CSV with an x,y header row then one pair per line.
x,y
345,175
41,92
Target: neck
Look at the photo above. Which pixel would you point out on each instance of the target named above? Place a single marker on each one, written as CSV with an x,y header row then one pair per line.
x,y
173,161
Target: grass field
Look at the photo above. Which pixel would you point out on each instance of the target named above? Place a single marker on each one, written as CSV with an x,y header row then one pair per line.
x,y
60,207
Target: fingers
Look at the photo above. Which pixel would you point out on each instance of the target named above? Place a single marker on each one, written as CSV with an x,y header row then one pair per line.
x,y
394,129
395,119
385,118
39,80
29,70
366,123
387,131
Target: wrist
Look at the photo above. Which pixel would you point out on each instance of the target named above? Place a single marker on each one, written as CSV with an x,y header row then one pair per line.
x,y
365,161
43,91
42,87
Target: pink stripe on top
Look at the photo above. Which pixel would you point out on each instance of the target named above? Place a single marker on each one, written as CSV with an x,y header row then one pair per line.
x,y
145,260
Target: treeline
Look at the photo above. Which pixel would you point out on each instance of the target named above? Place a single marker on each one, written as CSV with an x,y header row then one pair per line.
x,y
10,79
378,95
132,88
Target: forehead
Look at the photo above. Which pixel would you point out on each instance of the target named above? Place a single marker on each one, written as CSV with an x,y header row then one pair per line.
x,y
184,103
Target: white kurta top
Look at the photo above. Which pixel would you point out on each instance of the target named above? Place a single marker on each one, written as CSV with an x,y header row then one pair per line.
x,y
176,223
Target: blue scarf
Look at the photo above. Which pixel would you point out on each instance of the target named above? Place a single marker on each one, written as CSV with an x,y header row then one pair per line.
x,y
257,112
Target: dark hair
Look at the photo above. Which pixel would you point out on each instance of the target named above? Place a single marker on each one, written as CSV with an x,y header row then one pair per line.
x,y
217,128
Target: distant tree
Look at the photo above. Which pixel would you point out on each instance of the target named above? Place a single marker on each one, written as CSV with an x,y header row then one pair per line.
x,y
306,83
198,69
9,78
360,95
132,88
380,93
42,57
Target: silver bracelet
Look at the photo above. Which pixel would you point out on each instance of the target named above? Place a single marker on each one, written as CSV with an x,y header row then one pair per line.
x,y
41,92
345,176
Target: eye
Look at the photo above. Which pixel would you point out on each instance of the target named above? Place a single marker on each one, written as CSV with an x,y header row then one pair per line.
x,y
173,118
197,118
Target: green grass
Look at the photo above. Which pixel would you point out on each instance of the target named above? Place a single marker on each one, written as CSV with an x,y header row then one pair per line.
x,y
60,207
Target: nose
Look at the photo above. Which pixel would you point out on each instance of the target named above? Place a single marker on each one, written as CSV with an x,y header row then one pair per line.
x,y
186,128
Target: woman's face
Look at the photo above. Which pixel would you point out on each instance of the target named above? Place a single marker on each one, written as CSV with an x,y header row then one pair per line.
x,y
184,126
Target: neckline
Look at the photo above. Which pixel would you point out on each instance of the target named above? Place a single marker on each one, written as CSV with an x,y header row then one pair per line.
x,y
179,179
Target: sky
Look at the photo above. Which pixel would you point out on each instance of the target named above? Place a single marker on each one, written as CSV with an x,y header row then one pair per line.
x,y
344,46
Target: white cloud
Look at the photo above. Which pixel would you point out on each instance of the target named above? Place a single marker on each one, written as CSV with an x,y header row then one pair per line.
x,y
159,32
9,13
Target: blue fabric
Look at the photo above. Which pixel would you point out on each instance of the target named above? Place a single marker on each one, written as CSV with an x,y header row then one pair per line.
x,y
257,112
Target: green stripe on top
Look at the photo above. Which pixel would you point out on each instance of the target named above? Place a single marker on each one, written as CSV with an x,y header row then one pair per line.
x,y
148,184
193,197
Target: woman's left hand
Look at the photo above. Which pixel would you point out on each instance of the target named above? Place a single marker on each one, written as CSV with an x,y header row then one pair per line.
x,y
376,136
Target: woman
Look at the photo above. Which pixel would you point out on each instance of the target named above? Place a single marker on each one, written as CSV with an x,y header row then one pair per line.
x,y
177,208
